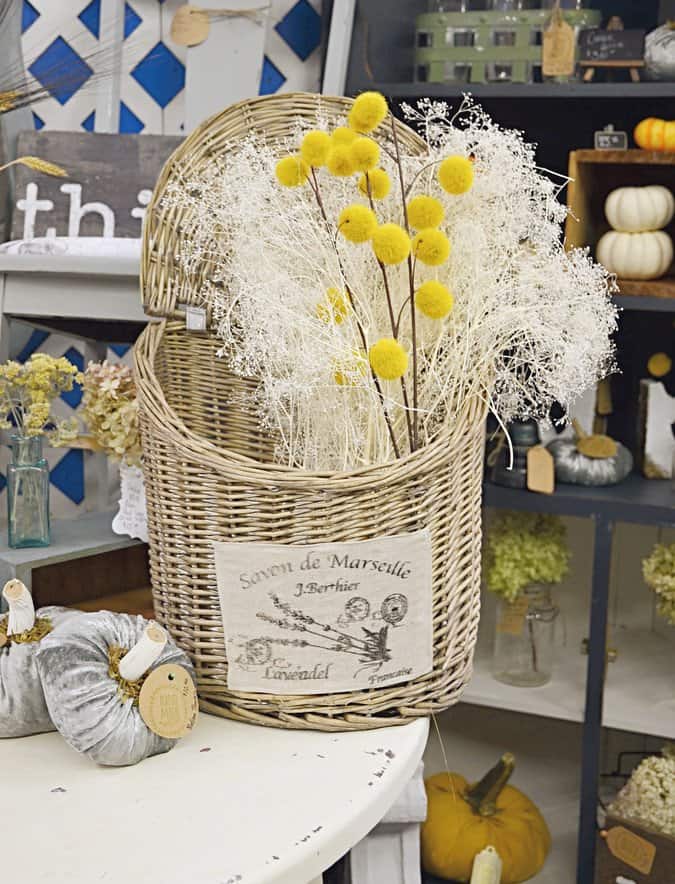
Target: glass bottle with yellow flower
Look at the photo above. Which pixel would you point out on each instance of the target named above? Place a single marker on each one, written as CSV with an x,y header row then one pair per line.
x,y
26,395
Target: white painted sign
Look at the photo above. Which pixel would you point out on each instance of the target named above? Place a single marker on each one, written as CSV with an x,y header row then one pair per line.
x,y
326,617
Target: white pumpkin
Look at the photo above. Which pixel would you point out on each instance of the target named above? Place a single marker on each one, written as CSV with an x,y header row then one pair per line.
x,y
637,209
636,255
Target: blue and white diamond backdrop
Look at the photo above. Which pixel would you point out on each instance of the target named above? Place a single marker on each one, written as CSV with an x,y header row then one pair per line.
x,y
66,37
68,34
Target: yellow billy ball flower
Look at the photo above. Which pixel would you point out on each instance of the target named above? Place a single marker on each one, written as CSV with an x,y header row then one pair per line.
x,y
659,365
391,244
340,162
433,299
425,211
357,223
292,171
431,246
315,147
365,153
335,308
455,174
380,184
388,359
343,137
368,111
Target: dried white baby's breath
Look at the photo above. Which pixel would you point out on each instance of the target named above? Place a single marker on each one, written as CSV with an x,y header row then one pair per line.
x,y
531,324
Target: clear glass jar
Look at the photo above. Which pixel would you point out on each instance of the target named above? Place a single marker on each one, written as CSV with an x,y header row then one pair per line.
x,y
27,494
448,5
565,4
524,632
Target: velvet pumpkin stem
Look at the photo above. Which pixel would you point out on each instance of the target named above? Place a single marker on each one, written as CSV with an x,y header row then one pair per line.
x,y
482,796
21,609
143,654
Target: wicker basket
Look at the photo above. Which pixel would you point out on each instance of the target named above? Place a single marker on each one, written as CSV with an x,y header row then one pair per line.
x,y
209,476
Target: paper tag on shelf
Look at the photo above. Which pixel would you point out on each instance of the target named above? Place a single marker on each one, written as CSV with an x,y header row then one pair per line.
x,y
631,849
512,620
132,516
540,470
559,49
168,701
326,617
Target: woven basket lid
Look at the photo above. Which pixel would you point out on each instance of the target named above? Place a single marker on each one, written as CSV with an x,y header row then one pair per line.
x,y
166,289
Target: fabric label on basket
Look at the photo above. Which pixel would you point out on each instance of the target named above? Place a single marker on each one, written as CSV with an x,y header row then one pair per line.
x,y
326,617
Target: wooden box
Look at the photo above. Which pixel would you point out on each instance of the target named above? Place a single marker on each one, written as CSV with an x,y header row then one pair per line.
x,y
595,174
632,854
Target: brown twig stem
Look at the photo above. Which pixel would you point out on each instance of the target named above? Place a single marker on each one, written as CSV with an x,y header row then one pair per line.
x,y
362,334
411,284
394,324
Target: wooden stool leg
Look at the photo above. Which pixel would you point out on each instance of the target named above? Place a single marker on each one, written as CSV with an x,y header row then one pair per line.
x,y
390,853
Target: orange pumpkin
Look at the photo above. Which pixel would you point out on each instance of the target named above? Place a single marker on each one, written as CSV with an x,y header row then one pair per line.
x,y
462,820
655,134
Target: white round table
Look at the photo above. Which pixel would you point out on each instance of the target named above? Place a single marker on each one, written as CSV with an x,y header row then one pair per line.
x,y
230,804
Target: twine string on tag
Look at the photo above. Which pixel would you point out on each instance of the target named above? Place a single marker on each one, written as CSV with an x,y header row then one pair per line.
x,y
191,24
223,14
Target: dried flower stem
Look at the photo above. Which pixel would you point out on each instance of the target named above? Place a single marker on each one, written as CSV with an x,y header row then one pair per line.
x,y
411,283
362,334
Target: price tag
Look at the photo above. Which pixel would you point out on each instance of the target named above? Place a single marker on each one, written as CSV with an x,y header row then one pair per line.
x,y
559,49
168,701
190,26
512,620
631,849
540,470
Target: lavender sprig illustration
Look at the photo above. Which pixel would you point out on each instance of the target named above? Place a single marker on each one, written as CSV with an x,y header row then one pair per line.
x,y
371,648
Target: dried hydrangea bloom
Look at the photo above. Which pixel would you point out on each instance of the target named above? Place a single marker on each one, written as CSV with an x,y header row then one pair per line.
x,y
649,795
110,410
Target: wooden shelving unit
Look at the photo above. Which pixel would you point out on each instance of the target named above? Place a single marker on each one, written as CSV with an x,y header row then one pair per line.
x,y
578,703
661,289
531,91
640,301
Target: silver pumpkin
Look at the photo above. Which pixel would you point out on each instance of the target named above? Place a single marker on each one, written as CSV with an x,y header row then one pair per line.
x,y
23,710
574,468
84,700
660,53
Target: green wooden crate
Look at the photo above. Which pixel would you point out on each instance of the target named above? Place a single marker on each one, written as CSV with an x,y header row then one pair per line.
x,y
447,42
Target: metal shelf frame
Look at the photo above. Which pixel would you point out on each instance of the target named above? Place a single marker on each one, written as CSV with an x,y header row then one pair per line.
x,y
638,501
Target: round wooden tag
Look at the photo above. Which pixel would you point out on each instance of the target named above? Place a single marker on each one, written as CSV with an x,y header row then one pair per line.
x,y
190,26
168,701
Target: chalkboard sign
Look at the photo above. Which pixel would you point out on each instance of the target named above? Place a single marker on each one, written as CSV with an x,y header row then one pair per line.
x,y
598,47
611,140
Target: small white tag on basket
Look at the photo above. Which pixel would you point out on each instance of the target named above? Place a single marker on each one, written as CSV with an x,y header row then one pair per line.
x,y
132,518
326,617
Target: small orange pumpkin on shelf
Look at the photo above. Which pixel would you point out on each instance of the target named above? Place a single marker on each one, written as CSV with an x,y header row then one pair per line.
x,y
462,820
654,133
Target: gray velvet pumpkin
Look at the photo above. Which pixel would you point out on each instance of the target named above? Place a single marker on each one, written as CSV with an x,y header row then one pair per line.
x,y
574,468
23,710
86,702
